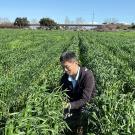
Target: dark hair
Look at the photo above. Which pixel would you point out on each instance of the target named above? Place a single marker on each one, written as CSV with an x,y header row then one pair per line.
x,y
66,56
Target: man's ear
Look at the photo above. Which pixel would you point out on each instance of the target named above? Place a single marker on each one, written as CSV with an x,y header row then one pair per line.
x,y
77,62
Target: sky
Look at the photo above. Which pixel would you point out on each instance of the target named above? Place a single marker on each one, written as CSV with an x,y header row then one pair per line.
x,y
122,10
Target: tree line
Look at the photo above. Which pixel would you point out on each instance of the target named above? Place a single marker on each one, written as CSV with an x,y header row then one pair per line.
x,y
21,22
48,23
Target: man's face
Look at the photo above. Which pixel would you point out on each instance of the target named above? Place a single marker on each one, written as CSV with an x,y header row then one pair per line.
x,y
70,67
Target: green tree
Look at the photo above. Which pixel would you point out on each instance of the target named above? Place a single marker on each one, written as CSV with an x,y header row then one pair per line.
x,y
21,22
48,23
133,26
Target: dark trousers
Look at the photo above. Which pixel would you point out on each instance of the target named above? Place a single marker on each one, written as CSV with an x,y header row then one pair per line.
x,y
78,123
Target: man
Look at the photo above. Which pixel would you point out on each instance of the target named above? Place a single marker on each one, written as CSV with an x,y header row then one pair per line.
x,y
79,84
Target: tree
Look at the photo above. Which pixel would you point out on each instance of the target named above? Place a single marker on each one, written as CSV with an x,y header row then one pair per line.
x,y
4,21
34,21
110,21
132,23
48,23
132,26
67,20
21,22
79,20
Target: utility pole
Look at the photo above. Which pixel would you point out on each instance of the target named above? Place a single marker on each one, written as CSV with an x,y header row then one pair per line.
x,y
93,17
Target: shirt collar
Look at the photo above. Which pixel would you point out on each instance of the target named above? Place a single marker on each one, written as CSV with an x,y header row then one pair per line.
x,y
70,78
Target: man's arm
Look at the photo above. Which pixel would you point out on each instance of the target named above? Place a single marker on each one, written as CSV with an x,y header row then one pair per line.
x,y
89,84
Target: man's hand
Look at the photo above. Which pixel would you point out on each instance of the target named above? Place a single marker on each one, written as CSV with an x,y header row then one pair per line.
x,y
66,105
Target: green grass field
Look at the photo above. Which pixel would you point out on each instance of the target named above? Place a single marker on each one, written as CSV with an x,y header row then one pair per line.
x,y
30,96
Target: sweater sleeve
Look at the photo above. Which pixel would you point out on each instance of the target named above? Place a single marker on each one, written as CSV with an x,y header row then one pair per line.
x,y
89,84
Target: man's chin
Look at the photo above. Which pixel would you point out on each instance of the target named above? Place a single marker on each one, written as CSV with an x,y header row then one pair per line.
x,y
69,74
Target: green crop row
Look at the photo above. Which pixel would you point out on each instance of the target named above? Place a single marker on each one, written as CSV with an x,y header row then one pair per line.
x,y
113,111
28,87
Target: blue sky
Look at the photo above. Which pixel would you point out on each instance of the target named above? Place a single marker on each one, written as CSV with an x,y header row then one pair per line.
x,y
122,10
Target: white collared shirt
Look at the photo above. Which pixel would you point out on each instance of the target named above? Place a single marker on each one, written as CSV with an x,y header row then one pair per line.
x,y
70,78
